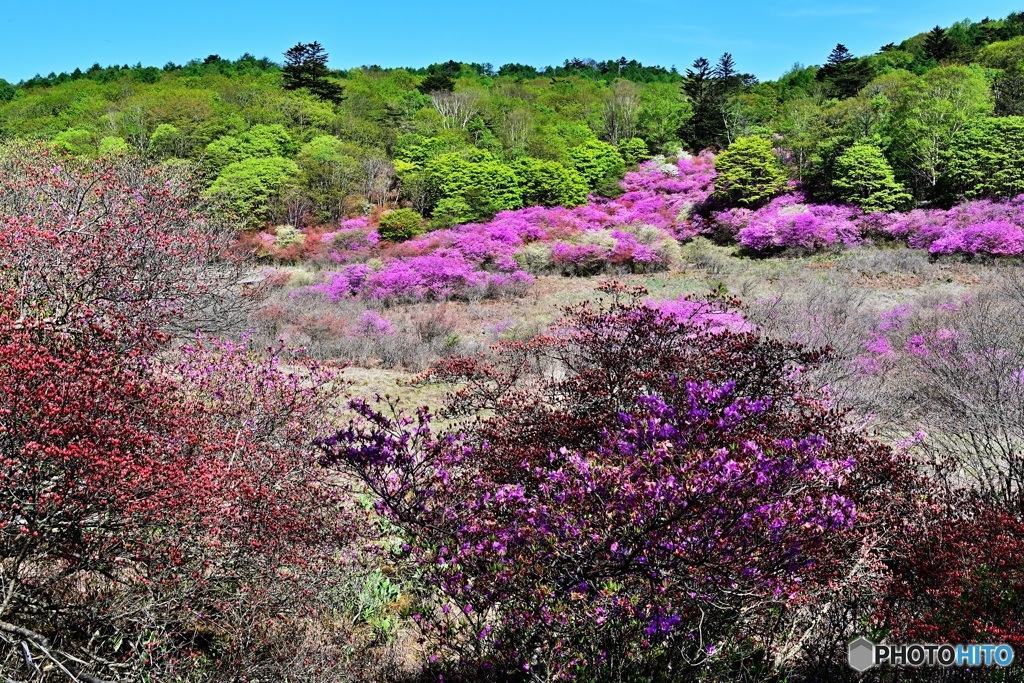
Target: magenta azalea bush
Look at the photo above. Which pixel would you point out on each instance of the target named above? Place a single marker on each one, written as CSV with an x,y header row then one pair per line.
x,y
981,227
637,232
789,222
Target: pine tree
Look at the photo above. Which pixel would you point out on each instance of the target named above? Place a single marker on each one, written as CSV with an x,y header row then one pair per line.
x,y
937,44
306,67
706,127
839,56
843,73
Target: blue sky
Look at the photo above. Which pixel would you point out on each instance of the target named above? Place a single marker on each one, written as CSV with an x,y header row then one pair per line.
x,y
766,37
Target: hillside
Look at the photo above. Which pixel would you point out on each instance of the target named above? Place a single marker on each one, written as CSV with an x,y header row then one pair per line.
x,y
381,137
602,372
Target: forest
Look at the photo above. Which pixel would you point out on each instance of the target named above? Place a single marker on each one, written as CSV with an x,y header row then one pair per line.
x,y
600,372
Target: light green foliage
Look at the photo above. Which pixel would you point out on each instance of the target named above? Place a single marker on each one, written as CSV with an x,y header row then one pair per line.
x,y
112,146
481,186
633,151
986,159
166,141
1003,54
247,188
221,112
260,141
801,129
663,113
222,152
749,174
597,162
921,115
400,225
549,183
865,178
75,141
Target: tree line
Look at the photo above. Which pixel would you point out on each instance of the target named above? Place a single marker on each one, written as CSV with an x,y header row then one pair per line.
x,y
299,141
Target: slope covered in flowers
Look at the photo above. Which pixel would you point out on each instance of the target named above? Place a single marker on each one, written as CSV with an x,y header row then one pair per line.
x,y
663,203
636,232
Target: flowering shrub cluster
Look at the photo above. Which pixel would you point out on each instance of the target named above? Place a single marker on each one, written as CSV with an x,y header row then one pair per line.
x,y
979,227
790,223
160,515
114,239
636,232
650,486
618,514
662,203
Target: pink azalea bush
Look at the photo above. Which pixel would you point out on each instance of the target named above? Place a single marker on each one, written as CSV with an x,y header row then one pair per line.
x,y
980,227
789,222
636,232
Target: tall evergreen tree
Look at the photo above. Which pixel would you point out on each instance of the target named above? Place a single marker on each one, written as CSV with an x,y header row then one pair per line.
x,y
305,66
706,127
937,44
843,74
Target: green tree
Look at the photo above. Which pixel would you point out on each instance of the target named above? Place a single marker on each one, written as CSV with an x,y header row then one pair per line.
x,y
986,159
305,66
329,172
440,82
705,127
664,111
633,151
749,174
1008,92
112,146
400,225
166,141
475,188
247,188
260,141
865,178
843,74
937,45
549,183
1004,54
923,115
7,91
75,141
597,162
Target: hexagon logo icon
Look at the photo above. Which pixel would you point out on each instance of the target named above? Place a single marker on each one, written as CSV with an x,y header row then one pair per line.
x,y
862,654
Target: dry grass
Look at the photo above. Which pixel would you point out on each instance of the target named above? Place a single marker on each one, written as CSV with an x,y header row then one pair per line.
x,y
847,289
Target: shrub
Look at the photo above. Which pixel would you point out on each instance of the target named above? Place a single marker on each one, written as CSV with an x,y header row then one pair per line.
x,y
113,240
400,225
863,177
749,174
621,490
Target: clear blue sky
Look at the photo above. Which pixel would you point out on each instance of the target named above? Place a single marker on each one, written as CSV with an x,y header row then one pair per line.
x,y
766,37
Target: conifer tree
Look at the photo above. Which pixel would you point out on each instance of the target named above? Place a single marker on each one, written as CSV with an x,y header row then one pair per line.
x,y
306,67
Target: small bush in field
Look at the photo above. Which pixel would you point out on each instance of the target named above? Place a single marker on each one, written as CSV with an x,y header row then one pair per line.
x,y
400,225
